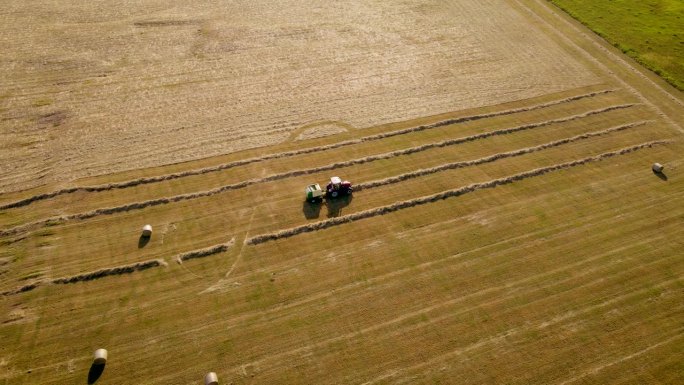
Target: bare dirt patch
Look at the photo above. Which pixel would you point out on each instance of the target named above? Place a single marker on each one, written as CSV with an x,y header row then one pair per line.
x,y
52,119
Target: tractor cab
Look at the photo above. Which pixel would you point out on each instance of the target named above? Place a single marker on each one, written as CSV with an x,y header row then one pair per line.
x,y
335,183
337,188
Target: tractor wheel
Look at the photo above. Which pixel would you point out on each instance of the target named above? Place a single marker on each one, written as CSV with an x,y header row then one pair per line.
x,y
334,194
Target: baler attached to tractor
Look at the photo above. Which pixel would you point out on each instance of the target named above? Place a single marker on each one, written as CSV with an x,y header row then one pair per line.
x,y
314,194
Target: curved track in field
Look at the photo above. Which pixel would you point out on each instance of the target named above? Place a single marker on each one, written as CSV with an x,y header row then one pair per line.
x,y
568,240
220,248
225,166
275,177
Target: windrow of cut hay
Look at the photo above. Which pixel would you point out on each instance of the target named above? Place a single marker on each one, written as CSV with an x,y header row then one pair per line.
x,y
201,253
90,276
118,270
23,289
295,173
220,248
439,196
492,158
225,166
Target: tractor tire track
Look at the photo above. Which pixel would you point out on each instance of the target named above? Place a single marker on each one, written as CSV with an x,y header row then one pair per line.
x,y
608,54
225,166
491,291
321,225
294,173
559,319
594,370
235,321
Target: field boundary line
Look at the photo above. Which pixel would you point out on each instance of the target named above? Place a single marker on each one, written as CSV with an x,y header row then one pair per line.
x,y
599,63
441,196
274,177
225,166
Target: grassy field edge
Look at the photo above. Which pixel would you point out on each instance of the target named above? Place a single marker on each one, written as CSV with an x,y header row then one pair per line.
x,y
630,48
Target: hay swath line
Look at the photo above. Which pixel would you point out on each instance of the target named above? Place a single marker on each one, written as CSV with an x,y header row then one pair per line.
x,y
321,225
123,269
295,173
494,157
220,248
201,253
225,166
90,276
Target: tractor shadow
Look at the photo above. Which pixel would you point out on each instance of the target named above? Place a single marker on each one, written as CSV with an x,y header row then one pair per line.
x,y
336,205
660,175
95,372
311,210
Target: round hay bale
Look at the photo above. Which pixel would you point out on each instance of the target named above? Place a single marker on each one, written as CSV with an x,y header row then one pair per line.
x,y
100,357
657,167
211,379
147,231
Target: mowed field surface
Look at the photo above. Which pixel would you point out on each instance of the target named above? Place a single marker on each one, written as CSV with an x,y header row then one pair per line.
x,y
520,241
95,87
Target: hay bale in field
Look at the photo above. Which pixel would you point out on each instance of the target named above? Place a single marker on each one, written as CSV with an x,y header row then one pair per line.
x,y
147,231
100,357
657,168
211,379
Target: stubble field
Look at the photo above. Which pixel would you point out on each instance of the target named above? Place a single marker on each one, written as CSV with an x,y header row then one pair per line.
x,y
506,226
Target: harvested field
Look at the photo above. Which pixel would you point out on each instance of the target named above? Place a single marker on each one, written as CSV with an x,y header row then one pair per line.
x,y
506,226
162,83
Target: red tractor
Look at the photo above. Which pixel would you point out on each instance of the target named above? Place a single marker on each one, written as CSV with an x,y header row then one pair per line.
x,y
335,189
338,188
337,195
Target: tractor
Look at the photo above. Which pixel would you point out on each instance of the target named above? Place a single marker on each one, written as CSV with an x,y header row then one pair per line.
x,y
335,189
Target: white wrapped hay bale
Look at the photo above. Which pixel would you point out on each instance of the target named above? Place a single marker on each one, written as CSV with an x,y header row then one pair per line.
x,y
657,167
147,231
100,357
211,379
